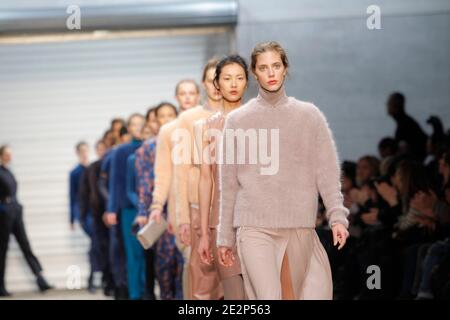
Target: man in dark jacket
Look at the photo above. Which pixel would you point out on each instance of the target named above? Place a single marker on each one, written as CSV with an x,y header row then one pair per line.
x,y
409,135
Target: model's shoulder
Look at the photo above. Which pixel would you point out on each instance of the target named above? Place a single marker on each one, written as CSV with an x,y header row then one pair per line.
x,y
243,111
123,148
74,171
192,112
306,107
168,127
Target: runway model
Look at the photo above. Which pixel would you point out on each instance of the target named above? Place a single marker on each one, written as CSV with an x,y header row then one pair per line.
x,y
268,207
230,80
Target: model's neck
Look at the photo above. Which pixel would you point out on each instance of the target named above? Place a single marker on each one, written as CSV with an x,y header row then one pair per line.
x,y
213,105
273,97
84,163
229,106
183,109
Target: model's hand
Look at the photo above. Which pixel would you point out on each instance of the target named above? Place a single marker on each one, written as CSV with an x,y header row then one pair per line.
x,y
184,232
216,122
141,220
155,215
340,235
204,250
111,218
226,256
170,228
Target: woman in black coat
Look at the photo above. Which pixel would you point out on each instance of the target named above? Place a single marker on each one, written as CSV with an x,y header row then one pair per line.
x,y
11,221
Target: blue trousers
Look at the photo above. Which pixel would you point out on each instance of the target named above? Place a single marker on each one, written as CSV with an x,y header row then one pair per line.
x,y
94,249
135,256
117,255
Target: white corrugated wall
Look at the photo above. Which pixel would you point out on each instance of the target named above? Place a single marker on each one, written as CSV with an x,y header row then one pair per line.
x,y
55,94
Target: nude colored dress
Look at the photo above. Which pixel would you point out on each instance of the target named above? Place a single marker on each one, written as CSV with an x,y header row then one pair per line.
x,y
216,122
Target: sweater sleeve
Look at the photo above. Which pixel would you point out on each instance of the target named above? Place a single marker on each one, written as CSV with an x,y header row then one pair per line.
x,y
328,173
163,171
228,187
182,176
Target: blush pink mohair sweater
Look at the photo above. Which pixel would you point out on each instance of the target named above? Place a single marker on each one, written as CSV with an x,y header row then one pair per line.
x,y
308,165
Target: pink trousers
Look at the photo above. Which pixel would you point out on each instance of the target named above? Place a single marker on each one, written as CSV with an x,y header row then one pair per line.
x,y
261,252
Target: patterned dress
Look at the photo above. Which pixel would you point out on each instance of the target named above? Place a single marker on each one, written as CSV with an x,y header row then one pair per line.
x,y
168,260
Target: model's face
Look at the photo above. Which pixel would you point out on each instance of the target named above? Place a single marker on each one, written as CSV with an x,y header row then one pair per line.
x,y
100,150
135,127
147,133
211,91
165,115
6,156
187,95
109,139
232,82
270,71
117,126
152,123
83,153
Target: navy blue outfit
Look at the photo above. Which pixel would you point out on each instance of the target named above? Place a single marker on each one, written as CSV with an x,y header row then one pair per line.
x,y
117,202
74,179
134,251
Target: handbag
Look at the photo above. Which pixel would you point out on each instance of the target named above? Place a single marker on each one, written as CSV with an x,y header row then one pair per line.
x,y
151,232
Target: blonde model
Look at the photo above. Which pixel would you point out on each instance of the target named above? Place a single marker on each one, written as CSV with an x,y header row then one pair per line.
x,y
269,209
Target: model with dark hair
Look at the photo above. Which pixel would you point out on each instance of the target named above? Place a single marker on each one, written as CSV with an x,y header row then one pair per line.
x,y
120,214
164,181
231,80
168,260
204,283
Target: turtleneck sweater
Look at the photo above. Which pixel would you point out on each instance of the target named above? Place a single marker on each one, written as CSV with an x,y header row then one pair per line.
x,y
308,164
